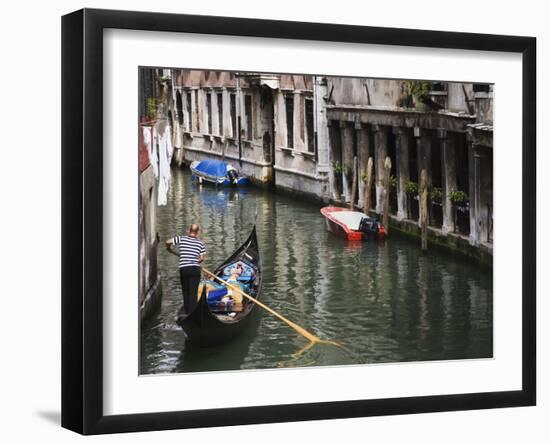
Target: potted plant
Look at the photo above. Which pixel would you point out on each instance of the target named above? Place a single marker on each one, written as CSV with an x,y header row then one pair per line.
x,y
436,208
436,195
348,171
411,189
393,193
459,200
419,93
393,182
151,104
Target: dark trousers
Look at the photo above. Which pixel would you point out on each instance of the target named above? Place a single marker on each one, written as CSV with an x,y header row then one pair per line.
x,y
190,278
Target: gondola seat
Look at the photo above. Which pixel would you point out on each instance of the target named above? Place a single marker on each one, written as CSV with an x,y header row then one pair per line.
x,y
248,275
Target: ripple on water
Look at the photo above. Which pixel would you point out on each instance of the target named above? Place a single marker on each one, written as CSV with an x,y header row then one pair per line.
x,y
383,302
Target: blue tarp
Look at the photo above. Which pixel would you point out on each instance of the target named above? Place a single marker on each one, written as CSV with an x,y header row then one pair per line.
x,y
214,168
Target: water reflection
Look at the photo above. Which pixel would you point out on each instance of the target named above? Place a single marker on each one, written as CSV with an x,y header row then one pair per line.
x,y
383,301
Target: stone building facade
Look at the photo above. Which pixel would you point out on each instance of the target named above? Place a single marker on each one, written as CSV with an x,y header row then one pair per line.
x,y
305,134
446,129
268,126
150,291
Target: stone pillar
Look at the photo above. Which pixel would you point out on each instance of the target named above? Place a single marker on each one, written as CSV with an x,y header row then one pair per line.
x,y
402,141
380,154
195,124
424,154
226,118
321,124
448,171
363,153
487,197
298,121
424,151
346,134
473,183
482,180
280,120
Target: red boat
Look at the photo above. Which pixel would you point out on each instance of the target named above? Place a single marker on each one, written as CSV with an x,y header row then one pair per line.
x,y
352,225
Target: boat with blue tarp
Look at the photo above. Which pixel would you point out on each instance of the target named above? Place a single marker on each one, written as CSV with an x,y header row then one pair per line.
x,y
216,172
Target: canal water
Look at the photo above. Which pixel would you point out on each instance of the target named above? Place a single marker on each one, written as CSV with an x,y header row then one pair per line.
x,y
383,302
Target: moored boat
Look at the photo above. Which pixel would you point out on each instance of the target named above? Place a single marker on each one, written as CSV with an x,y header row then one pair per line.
x,y
216,172
215,321
353,225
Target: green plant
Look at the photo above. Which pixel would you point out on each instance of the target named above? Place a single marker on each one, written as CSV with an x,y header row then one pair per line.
x,y
337,167
347,171
436,194
393,182
151,107
364,177
458,197
418,88
411,188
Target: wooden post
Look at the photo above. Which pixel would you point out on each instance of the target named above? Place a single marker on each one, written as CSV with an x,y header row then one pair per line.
x,y
354,184
423,210
386,206
367,192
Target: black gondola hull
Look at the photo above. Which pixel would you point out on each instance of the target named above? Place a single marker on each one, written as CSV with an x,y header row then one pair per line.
x,y
204,330
203,327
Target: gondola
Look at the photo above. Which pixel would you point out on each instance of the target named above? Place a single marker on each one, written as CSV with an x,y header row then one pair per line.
x,y
209,324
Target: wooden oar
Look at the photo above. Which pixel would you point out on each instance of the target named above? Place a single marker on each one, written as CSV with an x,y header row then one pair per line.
x,y
297,328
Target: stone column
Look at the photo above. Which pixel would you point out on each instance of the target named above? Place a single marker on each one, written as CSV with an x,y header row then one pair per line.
x,y
195,124
448,170
424,154
481,184
226,118
424,151
473,185
346,134
363,153
380,154
402,141
321,124
214,111
280,119
298,120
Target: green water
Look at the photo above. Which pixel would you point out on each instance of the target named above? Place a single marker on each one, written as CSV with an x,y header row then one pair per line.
x,y
384,302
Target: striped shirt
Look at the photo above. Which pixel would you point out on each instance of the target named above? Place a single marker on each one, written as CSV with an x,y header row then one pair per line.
x,y
190,249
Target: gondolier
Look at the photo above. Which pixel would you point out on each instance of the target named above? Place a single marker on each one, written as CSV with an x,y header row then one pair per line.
x,y
191,252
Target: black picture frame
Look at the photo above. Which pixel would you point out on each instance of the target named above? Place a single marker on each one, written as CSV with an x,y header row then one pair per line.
x,y
82,216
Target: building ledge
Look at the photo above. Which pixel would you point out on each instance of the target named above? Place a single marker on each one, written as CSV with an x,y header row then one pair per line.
x,y
399,110
308,155
208,152
401,117
301,173
288,151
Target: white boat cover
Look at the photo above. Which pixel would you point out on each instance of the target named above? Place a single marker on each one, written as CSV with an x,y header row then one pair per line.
x,y
349,218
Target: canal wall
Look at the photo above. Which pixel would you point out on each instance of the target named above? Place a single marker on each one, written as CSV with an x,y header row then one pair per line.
x,y
454,243
150,289
153,107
